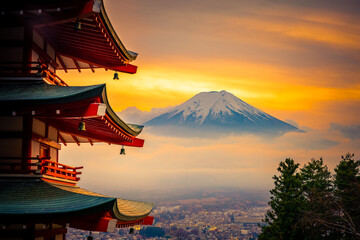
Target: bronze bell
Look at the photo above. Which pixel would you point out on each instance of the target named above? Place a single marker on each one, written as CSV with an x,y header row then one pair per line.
x,y
122,151
116,76
132,231
82,126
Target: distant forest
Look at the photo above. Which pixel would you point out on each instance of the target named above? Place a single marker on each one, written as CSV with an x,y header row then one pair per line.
x,y
311,203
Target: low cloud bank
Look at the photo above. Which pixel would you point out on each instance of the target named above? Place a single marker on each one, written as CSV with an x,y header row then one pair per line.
x,y
348,131
167,165
135,115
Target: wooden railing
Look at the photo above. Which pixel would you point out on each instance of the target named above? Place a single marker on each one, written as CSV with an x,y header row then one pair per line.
x,y
40,166
59,170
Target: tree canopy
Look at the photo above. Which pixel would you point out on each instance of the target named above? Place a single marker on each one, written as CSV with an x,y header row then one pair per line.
x,y
311,203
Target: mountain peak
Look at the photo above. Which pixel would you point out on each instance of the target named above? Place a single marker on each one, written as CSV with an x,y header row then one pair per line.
x,y
218,109
214,104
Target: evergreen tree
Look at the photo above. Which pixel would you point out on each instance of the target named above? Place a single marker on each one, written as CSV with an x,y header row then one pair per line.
x,y
317,191
287,202
347,194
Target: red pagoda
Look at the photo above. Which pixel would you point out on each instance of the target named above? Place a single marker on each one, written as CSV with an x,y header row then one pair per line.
x,y
40,113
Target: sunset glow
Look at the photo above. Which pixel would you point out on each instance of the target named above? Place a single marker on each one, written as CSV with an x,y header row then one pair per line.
x,y
279,57
298,61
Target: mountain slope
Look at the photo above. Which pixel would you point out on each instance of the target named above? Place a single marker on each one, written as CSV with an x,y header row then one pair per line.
x,y
220,111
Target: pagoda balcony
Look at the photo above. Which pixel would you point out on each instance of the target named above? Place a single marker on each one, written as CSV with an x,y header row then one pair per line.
x,y
39,167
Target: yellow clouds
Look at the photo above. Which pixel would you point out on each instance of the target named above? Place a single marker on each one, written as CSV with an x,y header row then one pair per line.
x,y
281,57
333,28
268,87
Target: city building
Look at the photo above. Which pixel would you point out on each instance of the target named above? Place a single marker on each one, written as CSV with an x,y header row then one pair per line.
x,y
40,114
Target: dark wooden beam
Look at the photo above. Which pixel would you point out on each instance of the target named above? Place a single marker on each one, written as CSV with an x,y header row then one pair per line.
x,y
46,141
43,54
62,139
91,60
76,140
62,63
92,68
77,65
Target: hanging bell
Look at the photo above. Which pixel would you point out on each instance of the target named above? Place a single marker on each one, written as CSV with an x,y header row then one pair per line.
x,y
82,126
132,231
122,151
77,25
116,76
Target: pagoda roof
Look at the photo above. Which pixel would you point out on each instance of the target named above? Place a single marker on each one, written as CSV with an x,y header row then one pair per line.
x,y
64,107
24,200
95,45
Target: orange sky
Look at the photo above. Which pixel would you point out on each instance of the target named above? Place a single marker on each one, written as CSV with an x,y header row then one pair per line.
x,y
290,59
296,60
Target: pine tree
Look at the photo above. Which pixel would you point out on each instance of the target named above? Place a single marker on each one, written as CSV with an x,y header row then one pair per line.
x,y
347,194
317,191
287,202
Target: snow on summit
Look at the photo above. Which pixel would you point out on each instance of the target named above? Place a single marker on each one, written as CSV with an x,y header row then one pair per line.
x,y
215,104
219,112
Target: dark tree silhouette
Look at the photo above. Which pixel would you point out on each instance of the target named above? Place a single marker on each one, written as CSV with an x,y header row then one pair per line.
x,y
286,204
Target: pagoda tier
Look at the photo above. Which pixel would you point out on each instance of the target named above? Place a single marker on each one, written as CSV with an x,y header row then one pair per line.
x,y
65,34
63,204
64,107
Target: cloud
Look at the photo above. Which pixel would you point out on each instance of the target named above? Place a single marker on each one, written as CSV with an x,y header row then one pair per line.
x,y
135,115
348,131
292,122
293,59
167,165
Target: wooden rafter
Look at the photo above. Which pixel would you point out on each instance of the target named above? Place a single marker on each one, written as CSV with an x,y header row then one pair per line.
x,y
94,50
104,30
81,60
91,141
76,139
66,31
62,63
92,68
96,38
83,41
110,124
125,68
76,64
62,139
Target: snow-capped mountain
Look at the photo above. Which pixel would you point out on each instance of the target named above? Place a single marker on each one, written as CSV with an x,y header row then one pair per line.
x,y
220,111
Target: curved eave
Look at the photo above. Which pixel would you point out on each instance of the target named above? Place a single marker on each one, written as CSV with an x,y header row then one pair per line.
x,y
22,94
115,119
130,55
31,200
129,210
36,199
44,99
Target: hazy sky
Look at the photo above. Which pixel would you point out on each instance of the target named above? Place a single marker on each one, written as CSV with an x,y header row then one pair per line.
x,y
296,60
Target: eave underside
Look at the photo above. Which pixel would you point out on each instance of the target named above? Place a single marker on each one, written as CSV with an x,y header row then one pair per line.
x,y
95,45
